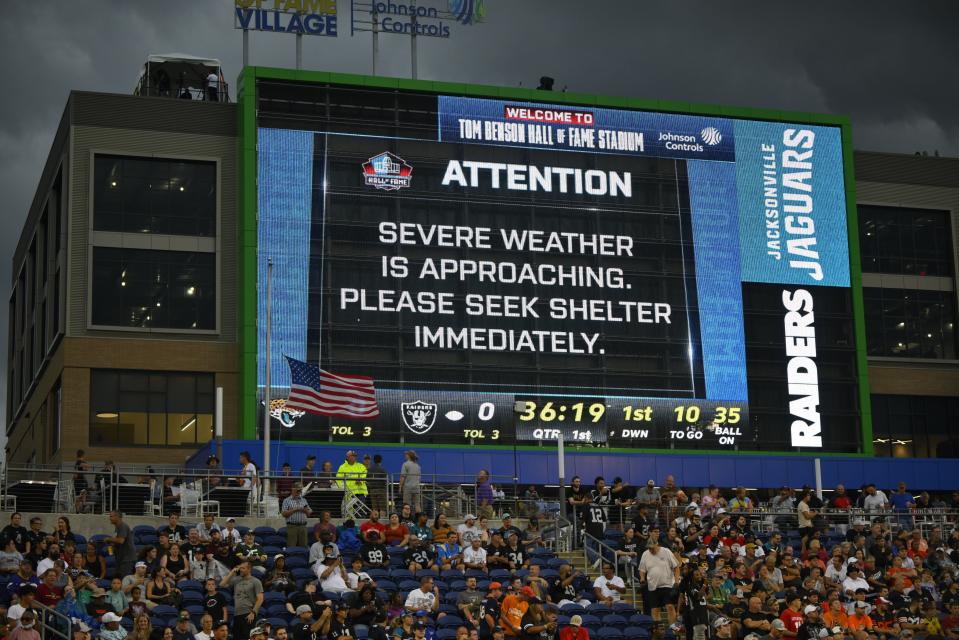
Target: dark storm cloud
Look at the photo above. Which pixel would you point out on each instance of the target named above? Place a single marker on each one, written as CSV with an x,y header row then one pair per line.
x,y
891,66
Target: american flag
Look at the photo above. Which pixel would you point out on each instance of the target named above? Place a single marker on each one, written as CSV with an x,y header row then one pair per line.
x,y
330,394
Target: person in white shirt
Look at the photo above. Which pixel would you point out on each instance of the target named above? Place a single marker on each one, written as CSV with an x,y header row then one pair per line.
x,y
609,587
426,598
836,570
332,575
230,533
213,87
468,530
874,500
659,569
474,557
53,554
248,477
206,628
207,528
854,579
356,577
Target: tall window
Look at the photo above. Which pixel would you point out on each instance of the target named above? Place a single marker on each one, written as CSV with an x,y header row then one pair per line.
x,y
915,426
905,241
910,324
154,195
150,408
153,289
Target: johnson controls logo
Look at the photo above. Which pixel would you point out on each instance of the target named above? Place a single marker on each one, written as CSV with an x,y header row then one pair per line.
x,y
387,171
711,136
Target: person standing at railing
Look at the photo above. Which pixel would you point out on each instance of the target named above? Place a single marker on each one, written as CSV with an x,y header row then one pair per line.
x,y
377,479
352,476
410,475
123,547
296,510
484,494
902,503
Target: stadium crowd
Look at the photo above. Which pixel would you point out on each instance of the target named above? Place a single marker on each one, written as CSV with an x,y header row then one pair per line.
x,y
709,564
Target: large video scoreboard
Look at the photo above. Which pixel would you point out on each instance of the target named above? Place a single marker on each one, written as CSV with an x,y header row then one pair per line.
x,y
514,271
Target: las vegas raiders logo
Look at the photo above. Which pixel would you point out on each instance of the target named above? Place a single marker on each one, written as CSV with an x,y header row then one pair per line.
x,y
419,416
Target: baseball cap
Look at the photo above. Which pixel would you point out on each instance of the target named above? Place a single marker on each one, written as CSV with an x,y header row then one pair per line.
x,y
576,621
257,631
853,560
779,624
810,608
351,453
720,510
278,556
140,564
419,625
862,605
507,516
495,585
528,592
304,608
469,516
231,519
109,616
720,621
184,615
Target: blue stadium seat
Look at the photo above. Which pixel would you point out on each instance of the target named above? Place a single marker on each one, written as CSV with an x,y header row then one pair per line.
x,y
573,609
424,573
275,541
378,574
191,598
190,585
640,620
608,633
273,597
302,574
401,574
450,621
445,634
500,575
387,585
297,551
264,531
615,620
451,574
637,633
599,609
624,609
164,611
277,611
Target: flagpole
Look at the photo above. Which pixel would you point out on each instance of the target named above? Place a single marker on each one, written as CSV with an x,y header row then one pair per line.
x,y
266,381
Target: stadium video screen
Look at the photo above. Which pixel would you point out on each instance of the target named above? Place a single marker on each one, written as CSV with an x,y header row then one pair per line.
x,y
516,272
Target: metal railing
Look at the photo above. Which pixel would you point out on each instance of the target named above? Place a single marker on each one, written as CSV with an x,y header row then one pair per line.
x,y
51,624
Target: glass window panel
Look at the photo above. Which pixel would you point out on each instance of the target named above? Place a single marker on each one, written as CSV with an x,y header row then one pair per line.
x,y
150,408
161,289
157,435
905,240
908,323
154,195
181,428
103,430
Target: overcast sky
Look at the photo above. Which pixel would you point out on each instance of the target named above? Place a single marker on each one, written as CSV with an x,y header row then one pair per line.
x,y
891,66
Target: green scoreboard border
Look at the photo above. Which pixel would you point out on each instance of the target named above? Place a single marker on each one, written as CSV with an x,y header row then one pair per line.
x,y
246,101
